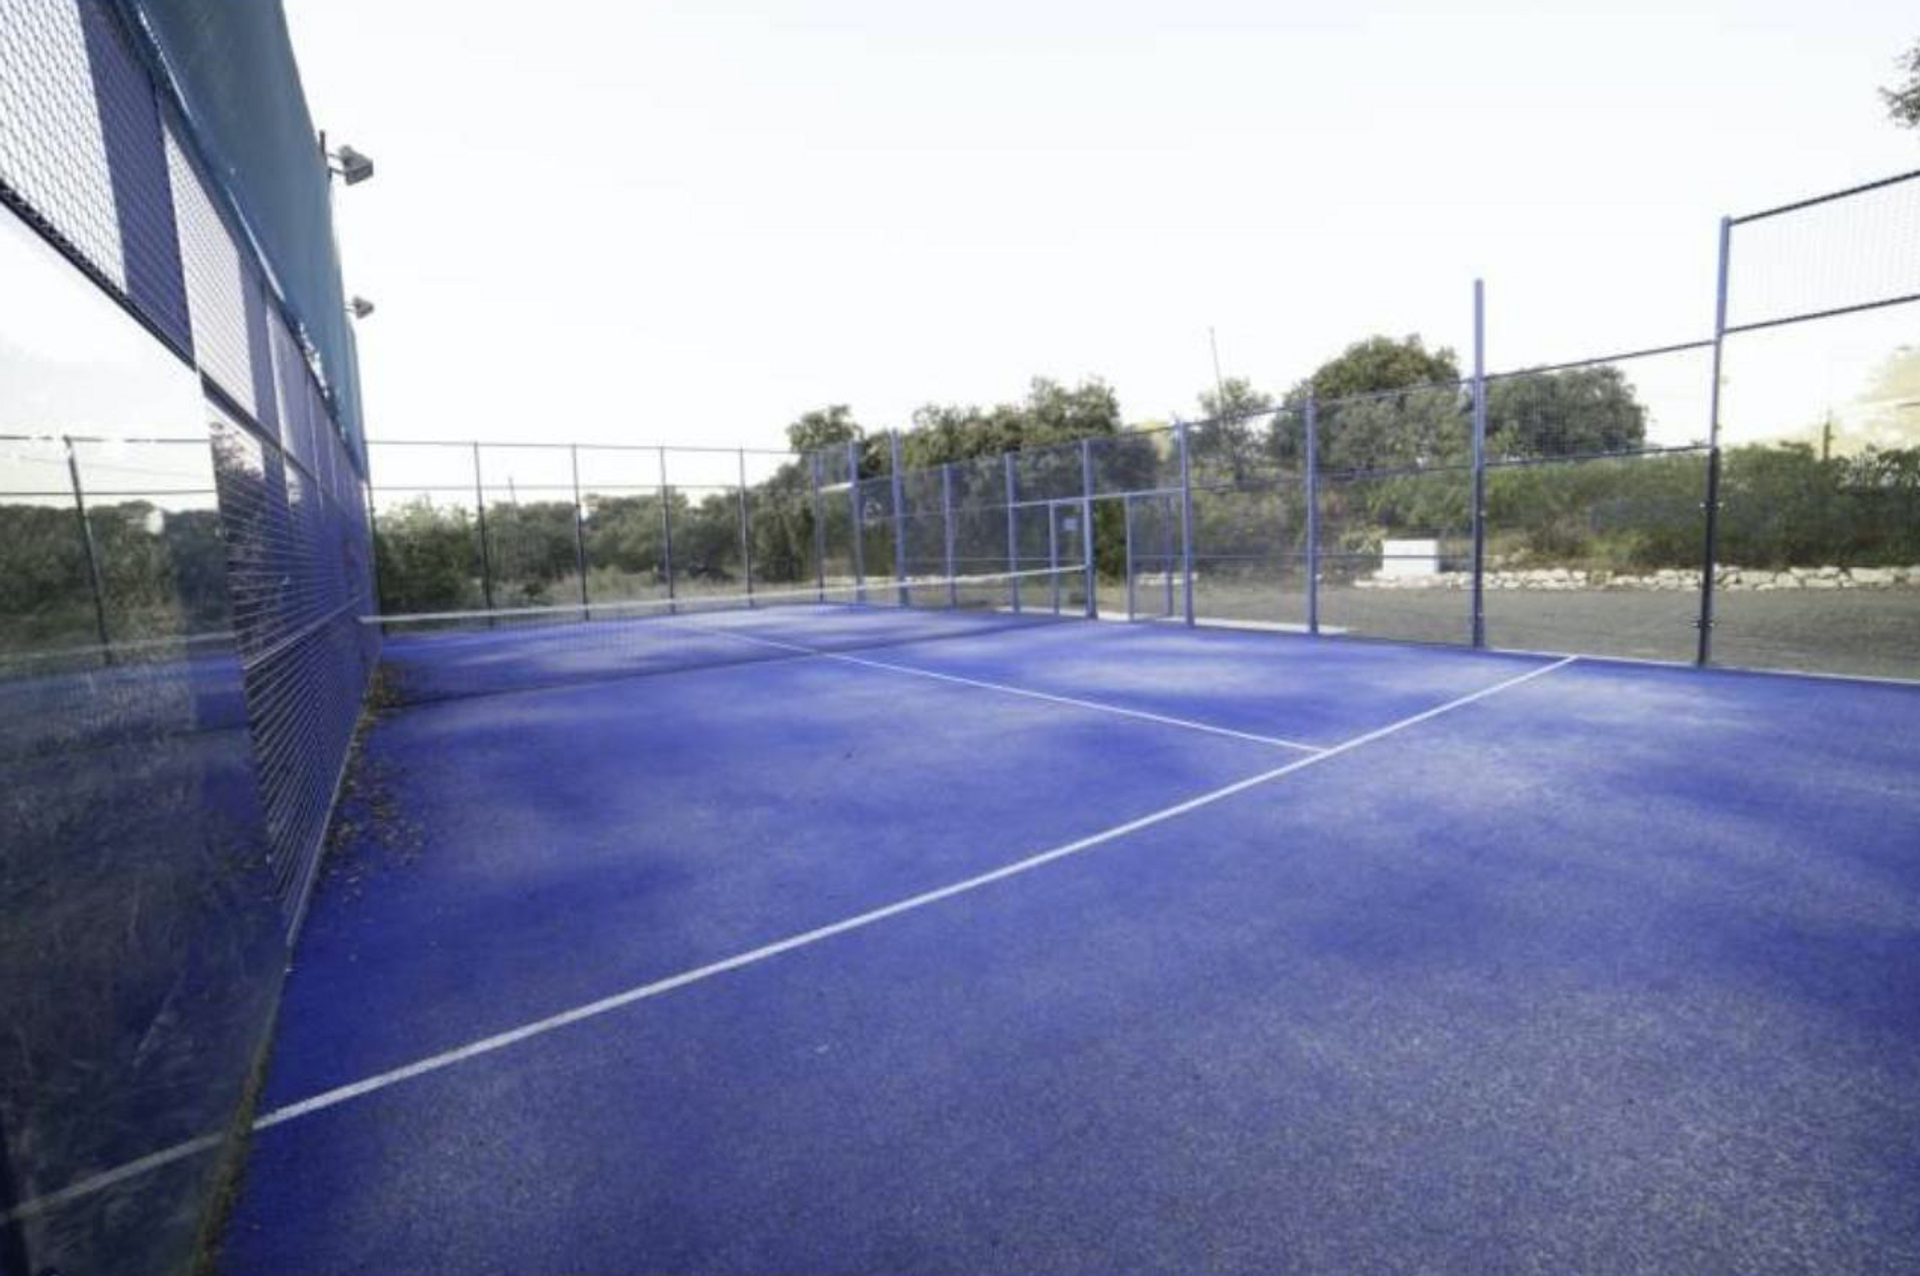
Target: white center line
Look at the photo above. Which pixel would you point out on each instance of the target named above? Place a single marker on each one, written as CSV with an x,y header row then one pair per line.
x,y
593,1009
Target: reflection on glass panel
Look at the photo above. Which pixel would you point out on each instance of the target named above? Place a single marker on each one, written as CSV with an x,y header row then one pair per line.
x,y
155,524
142,943
47,599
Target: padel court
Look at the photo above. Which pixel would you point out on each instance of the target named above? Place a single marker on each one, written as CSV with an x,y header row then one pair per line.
x,y
836,936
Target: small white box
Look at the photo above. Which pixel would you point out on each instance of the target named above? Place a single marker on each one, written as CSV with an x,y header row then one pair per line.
x,y
1410,558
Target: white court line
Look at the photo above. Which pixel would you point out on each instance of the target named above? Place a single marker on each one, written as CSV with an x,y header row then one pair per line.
x,y
1004,689
594,1009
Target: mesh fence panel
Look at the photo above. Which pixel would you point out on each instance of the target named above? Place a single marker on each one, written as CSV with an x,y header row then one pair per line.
x,y
624,520
1842,252
1047,473
1135,461
1395,494
531,549
53,148
781,515
216,284
1599,556
1153,579
1818,546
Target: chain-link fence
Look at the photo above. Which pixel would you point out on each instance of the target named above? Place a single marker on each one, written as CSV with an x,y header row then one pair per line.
x,y
1685,502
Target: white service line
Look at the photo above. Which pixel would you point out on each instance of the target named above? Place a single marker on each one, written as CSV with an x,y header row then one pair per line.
x,y
1005,689
594,1009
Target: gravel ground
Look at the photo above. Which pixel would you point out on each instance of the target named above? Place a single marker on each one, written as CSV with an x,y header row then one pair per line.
x,y
1873,632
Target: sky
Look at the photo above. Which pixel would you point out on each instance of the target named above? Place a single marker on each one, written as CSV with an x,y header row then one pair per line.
x,y
688,223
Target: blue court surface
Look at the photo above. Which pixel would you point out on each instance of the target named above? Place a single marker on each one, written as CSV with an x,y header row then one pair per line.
x,y
1099,948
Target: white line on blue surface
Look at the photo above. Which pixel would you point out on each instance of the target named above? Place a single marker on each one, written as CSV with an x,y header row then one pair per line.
x,y
1096,706
594,1009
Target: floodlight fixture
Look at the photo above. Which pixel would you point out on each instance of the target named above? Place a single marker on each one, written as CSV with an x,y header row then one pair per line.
x,y
350,165
360,307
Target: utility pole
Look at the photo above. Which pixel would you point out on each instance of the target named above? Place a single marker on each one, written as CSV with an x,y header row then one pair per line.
x,y
1219,382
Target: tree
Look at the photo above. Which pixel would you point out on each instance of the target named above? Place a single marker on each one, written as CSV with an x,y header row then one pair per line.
x,y
1578,412
1903,101
1226,445
824,427
1379,364
1051,414
427,557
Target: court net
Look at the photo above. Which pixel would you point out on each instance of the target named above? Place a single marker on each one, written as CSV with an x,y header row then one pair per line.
x,y
444,655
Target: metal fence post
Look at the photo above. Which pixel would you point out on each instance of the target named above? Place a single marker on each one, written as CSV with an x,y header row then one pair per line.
x,y
859,531
946,532
1711,549
93,553
1167,521
1086,525
746,534
666,529
579,527
1053,553
1313,513
486,554
819,531
1013,530
1477,627
1186,519
1126,521
899,519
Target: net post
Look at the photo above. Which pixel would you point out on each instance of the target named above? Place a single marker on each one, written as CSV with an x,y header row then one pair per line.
x,y
1313,512
666,529
480,507
819,530
1126,520
1710,548
1186,520
94,583
1013,530
859,533
579,532
1086,525
746,536
899,518
946,532
1477,626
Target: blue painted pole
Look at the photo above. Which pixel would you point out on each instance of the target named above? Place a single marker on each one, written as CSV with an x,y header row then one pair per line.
x,y
1477,626
1711,550
1186,520
579,531
1013,530
859,534
1313,513
1086,525
1053,553
666,528
899,520
746,529
819,531
946,533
